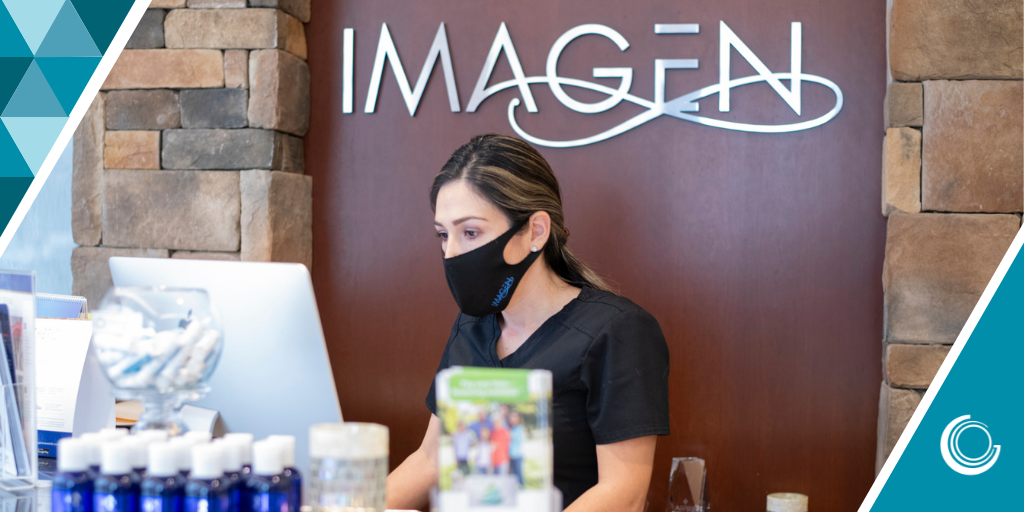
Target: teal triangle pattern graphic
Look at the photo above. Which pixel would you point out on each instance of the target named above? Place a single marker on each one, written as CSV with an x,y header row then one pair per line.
x,y
68,77
12,165
68,36
49,51
12,69
33,98
12,44
967,451
103,18
11,192
34,136
33,18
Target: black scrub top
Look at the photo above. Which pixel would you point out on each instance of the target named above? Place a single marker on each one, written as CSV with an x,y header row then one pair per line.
x,y
609,362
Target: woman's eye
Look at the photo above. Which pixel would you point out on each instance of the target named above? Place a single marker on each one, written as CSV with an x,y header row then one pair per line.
x,y
443,236
471,233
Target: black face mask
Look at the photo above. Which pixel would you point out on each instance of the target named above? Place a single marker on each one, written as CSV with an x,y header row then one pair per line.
x,y
480,280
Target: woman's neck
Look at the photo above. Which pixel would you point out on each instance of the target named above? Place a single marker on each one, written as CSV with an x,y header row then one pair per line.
x,y
540,294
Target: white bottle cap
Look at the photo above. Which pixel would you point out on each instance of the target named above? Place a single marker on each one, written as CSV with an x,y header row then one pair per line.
x,y
199,436
116,458
153,435
73,455
93,441
113,433
246,440
266,458
183,449
138,456
163,460
287,447
206,463
230,455
348,441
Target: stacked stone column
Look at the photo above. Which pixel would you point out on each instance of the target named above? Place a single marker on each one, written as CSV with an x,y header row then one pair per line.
x,y
952,182
193,148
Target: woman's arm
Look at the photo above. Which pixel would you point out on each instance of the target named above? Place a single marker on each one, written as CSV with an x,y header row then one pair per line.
x,y
408,486
623,476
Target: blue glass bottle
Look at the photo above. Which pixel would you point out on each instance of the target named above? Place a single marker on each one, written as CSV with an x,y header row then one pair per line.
x,y
231,459
207,490
269,489
73,484
163,489
115,490
291,473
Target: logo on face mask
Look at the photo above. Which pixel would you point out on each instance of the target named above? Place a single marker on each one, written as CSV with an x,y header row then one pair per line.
x,y
503,292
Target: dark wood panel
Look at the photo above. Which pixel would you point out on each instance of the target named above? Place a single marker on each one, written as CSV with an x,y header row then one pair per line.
x,y
759,254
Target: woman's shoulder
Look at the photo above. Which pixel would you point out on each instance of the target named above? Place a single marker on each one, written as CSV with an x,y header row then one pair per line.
x,y
601,310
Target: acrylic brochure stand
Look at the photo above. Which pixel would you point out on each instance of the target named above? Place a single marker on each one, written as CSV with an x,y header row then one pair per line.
x,y
17,381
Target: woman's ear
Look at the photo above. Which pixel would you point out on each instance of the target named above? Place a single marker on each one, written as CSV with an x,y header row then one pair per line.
x,y
540,230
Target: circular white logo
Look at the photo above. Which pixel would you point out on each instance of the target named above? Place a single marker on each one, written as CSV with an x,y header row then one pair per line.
x,y
957,461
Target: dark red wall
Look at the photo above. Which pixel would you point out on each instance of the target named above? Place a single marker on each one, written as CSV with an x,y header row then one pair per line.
x,y
760,255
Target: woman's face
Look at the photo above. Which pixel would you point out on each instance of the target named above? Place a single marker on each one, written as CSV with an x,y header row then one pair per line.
x,y
465,220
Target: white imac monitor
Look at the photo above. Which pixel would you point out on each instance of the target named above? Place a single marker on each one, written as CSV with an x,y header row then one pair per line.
x,y
274,376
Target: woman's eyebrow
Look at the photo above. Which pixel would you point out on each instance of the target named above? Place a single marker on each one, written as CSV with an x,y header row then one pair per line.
x,y
461,220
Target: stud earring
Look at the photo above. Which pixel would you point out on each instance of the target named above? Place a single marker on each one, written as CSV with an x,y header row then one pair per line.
x,y
533,249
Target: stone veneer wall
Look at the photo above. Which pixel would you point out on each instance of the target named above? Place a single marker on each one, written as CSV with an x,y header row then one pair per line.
x,y
193,148
952,182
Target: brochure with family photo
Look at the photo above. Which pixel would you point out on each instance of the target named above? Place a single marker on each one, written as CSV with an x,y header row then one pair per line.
x,y
495,451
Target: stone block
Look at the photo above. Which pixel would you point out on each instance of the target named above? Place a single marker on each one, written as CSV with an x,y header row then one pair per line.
x,y
278,91
167,69
214,108
150,31
904,105
956,39
298,8
901,171
90,269
295,37
236,68
155,109
913,366
234,28
936,267
277,217
167,4
87,175
199,255
292,155
131,150
895,408
973,157
216,4
221,149
189,210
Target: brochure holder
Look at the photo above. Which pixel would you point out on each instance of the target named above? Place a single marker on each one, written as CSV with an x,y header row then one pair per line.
x,y
18,463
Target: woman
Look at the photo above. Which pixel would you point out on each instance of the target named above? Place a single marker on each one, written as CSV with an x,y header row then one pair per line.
x,y
527,302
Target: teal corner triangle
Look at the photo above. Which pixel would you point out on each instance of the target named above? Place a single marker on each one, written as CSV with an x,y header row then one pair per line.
x,y
12,164
12,70
12,44
34,97
34,136
12,191
33,18
68,36
103,18
966,449
68,77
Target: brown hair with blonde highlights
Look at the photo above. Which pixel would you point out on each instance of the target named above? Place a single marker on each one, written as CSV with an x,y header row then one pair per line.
x,y
513,176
